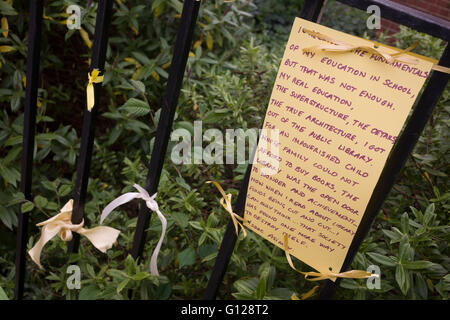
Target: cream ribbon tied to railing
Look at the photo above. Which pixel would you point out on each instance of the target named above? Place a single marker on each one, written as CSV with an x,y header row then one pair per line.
x,y
101,237
153,206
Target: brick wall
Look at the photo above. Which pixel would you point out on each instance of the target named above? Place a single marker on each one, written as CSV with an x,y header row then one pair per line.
x,y
438,8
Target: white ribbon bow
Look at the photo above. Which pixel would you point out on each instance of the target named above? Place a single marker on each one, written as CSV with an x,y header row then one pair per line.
x,y
152,205
101,237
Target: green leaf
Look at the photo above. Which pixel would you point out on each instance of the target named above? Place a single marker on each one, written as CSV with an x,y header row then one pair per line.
x,y
177,5
40,201
421,231
246,286
163,291
7,217
142,58
181,219
135,107
11,175
214,116
48,185
89,293
140,276
417,265
207,249
442,288
394,236
280,293
13,140
210,257
261,288
350,284
3,295
404,223
162,72
196,225
53,277
122,285
404,249
130,265
27,207
402,278
11,156
429,214
117,274
114,135
417,213
436,172
139,85
243,296
421,286
186,257
52,206
156,4
90,270
46,136
387,261
17,197
64,190
7,9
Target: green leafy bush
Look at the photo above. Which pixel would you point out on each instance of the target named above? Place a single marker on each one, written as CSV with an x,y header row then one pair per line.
x,y
229,77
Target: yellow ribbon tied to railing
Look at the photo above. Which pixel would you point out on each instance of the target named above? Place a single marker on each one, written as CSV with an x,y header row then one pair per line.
x,y
340,46
226,203
101,237
354,274
94,77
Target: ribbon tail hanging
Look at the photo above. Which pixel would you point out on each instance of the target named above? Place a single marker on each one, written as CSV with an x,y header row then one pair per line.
x,y
90,96
353,274
154,259
46,235
101,237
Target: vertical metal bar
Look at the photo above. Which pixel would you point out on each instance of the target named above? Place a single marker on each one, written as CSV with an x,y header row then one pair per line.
x,y
395,163
29,126
169,104
228,242
310,11
104,12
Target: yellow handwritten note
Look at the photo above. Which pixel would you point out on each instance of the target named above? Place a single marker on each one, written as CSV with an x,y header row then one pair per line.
x,y
338,116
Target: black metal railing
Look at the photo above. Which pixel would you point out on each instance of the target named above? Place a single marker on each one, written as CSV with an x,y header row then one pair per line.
x,y
310,11
397,13
169,103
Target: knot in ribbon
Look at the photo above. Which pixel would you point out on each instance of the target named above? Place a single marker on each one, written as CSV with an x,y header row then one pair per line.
x,y
101,237
354,274
225,201
152,205
93,78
